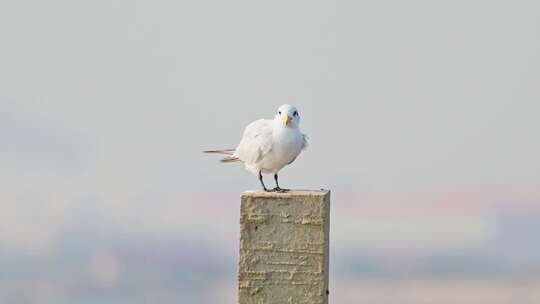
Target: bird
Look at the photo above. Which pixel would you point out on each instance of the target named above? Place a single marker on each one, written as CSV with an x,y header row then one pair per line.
x,y
268,145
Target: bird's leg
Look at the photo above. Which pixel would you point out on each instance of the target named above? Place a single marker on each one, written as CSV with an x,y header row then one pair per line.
x,y
277,188
262,182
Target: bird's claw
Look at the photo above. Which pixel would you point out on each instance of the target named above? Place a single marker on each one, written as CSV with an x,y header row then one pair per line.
x,y
277,189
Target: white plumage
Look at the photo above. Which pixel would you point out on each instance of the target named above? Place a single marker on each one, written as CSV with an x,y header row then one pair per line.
x,y
268,145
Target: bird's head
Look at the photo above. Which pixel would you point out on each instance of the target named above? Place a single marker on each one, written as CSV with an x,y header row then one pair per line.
x,y
288,115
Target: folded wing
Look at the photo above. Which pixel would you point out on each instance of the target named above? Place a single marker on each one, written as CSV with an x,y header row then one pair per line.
x,y
256,141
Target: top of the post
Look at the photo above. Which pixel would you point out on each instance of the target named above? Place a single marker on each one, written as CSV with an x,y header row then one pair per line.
x,y
288,194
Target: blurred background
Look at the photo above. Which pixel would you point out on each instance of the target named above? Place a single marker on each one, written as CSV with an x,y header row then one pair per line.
x,y
422,118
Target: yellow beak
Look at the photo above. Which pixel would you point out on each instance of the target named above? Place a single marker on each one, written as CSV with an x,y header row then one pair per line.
x,y
286,118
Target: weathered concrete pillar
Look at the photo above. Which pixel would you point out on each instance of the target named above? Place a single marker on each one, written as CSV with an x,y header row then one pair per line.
x,y
284,243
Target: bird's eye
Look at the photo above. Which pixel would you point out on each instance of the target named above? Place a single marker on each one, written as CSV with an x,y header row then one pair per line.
x,y
279,112
295,113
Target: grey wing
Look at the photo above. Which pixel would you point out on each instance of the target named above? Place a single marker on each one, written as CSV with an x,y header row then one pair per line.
x,y
305,141
304,145
256,141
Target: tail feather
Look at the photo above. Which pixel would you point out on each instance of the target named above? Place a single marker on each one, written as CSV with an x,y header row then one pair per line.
x,y
224,151
229,158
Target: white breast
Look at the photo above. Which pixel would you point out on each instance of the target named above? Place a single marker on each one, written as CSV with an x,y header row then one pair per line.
x,y
287,144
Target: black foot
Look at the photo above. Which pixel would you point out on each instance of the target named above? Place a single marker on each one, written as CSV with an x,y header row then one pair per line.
x,y
280,190
262,182
277,188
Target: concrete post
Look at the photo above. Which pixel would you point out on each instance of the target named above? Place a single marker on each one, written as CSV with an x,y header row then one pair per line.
x,y
284,243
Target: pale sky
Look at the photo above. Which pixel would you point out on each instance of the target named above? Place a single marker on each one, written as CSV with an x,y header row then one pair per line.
x,y
112,101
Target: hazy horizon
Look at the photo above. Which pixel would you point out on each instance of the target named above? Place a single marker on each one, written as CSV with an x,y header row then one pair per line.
x,y
422,119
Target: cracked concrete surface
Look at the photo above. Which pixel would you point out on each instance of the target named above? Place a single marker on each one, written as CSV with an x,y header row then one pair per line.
x,y
284,247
